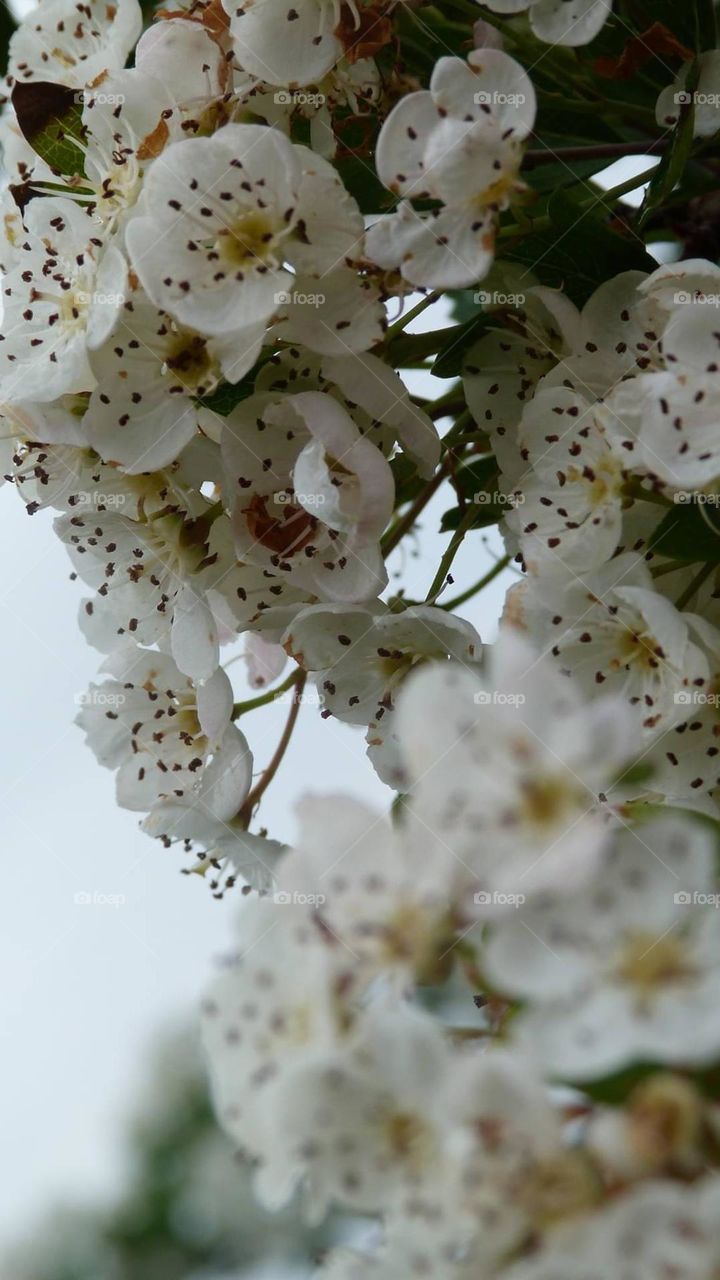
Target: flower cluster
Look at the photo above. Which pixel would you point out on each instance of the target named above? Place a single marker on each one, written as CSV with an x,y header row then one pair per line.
x,y
488,1021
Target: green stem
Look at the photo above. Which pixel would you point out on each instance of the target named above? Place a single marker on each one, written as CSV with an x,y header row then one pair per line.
x,y
397,531
262,699
440,578
489,577
405,319
694,586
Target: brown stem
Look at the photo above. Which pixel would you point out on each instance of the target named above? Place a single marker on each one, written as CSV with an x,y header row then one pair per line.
x,y
600,151
261,787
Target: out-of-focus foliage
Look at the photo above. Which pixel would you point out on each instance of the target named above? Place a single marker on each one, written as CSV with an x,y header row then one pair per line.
x,y
187,1212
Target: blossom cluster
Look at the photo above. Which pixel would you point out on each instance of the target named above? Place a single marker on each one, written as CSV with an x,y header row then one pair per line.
x,y
487,1022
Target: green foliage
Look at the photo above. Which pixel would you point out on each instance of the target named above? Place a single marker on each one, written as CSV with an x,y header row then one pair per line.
x,y
50,118
689,533
579,250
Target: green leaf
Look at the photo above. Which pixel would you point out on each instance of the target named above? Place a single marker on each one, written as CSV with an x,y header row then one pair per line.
x,y
408,484
225,397
50,118
672,166
578,252
614,1090
685,534
476,481
451,355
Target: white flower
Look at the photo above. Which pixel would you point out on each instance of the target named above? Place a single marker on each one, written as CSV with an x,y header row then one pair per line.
x,y
627,969
142,413
614,632
61,298
705,98
168,740
186,60
569,502
381,896
671,420
223,844
563,22
310,495
655,1231
501,372
361,657
277,1004
460,143
511,773
357,1123
372,393
221,221
157,580
293,43
74,41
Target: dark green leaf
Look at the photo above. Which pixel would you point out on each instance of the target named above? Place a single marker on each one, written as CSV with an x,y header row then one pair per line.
x,y
451,355
225,397
672,166
578,252
50,118
476,481
685,534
